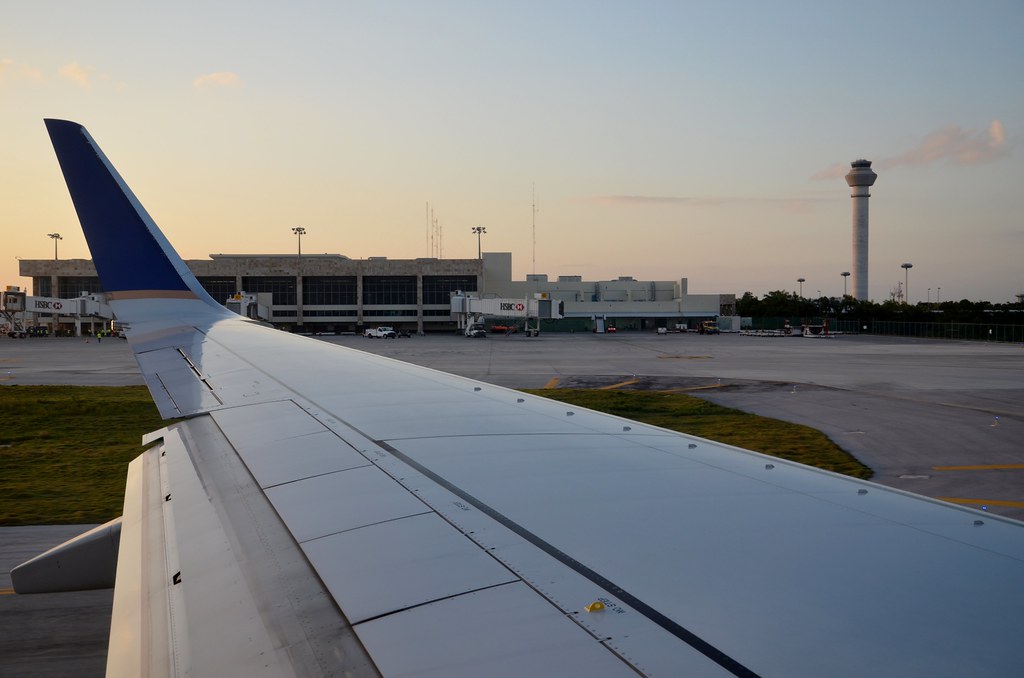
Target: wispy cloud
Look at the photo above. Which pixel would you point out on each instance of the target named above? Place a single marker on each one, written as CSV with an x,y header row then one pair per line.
x,y
836,171
218,79
76,73
10,70
951,144
795,204
958,146
641,200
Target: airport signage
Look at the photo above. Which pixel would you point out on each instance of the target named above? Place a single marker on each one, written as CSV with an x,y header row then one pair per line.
x,y
43,305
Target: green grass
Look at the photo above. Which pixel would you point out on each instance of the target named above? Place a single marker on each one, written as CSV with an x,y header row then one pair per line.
x,y
686,414
64,451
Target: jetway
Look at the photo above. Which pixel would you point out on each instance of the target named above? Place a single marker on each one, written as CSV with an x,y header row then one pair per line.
x,y
468,310
21,312
254,306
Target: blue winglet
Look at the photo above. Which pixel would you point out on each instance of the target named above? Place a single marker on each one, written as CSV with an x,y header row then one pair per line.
x,y
132,256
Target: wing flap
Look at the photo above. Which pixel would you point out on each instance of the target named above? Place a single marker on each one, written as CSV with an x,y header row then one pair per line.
x,y
211,583
139,624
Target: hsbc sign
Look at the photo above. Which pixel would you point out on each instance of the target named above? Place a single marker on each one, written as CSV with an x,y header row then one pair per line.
x,y
50,305
495,307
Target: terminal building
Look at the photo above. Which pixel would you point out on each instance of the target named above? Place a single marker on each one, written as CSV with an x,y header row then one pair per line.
x,y
333,293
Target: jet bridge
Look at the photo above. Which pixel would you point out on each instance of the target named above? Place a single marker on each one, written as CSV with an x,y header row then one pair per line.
x,y
468,309
21,312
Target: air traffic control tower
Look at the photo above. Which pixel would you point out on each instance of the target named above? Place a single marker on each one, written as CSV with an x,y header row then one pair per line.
x,y
860,178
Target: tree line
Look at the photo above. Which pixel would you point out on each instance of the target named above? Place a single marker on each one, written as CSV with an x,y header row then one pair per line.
x,y
783,304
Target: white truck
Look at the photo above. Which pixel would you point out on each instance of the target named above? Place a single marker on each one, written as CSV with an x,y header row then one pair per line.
x,y
382,332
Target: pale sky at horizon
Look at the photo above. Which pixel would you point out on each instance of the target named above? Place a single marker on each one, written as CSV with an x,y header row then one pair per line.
x,y
704,140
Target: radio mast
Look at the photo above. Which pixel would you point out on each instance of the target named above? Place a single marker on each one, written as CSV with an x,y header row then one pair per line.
x,y
533,213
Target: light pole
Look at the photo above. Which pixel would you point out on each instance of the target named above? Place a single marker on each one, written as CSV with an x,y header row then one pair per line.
x,y
845,274
55,237
929,296
906,280
801,281
298,231
479,230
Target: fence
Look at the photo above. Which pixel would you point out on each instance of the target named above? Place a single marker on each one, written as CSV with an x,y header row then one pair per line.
x,y
947,330
900,328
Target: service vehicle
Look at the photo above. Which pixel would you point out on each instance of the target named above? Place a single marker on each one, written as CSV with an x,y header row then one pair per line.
x,y
382,332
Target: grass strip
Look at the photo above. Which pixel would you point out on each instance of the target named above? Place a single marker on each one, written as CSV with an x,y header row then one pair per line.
x,y
687,414
64,451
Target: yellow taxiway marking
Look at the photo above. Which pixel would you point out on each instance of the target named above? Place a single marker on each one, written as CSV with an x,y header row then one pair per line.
x,y
618,385
685,389
983,502
6,592
981,467
553,383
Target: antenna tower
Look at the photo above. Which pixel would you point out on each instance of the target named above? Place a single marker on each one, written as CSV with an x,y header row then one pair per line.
x,y
533,217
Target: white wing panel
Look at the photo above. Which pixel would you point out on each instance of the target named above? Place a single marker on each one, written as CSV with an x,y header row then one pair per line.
x,y
168,371
322,505
275,421
737,538
375,570
503,631
275,462
431,419
280,443
463,409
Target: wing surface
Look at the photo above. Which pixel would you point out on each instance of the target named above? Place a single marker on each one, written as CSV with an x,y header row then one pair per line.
x,y
322,510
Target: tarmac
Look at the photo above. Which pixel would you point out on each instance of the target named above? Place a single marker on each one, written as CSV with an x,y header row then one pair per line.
x,y
940,418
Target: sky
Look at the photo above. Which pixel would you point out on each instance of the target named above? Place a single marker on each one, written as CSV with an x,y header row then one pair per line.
x,y
659,140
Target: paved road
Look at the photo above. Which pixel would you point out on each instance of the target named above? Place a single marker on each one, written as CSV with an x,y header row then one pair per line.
x,y
49,360
906,408
49,634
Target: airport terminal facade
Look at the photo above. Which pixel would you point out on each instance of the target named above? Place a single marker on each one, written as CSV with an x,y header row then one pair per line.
x,y
333,293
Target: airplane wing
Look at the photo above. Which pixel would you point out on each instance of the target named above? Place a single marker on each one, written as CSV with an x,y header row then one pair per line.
x,y
323,511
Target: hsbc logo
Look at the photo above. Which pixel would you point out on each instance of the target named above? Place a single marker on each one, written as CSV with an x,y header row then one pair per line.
x,y
509,306
48,305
